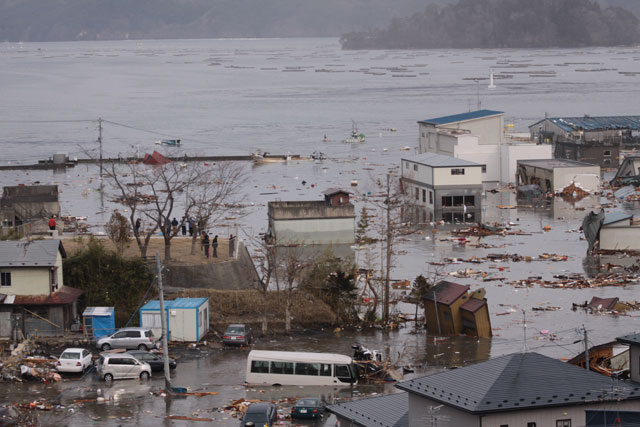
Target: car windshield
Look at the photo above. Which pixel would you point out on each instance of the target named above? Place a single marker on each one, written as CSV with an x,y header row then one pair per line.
x,y
255,418
70,355
235,330
307,402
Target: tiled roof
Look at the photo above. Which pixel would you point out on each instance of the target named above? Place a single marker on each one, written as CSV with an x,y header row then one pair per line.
x,y
472,115
630,339
64,295
473,305
439,160
384,411
34,253
569,124
447,292
519,381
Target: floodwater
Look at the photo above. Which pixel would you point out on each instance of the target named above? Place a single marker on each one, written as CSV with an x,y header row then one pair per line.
x,y
236,96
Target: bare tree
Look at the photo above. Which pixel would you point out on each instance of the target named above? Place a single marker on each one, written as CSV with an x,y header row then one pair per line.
x,y
265,258
213,197
118,230
291,266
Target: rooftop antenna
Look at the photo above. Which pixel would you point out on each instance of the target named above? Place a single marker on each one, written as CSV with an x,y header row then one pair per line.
x,y
491,85
524,331
478,94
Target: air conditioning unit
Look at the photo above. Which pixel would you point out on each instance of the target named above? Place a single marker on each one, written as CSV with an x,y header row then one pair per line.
x,y
173,313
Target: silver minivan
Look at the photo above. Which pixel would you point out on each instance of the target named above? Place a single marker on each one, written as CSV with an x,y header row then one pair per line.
x,y
140,338
117,366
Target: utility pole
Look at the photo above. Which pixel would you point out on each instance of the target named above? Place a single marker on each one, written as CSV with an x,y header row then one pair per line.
x,y
163,322
435,304
389,235
100,143
524,331
586,348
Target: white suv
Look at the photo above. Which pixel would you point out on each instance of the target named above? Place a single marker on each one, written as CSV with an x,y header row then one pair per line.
x,y
140,338
122,365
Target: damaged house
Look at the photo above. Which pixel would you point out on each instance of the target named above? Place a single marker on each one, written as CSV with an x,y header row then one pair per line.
x,y
553,176
612,231
33,298
628,172
450,309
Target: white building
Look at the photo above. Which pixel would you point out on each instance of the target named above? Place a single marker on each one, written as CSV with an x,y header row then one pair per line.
x,y
555,175
187,318
448,188
479,136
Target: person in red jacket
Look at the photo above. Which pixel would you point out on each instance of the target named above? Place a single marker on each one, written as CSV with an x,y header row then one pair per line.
x,y
52,223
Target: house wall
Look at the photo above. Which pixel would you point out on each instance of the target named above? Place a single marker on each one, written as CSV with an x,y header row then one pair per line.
x,y
421,414
35,326
5,320
450,317
424,174
203,321
483,322
511,153
620,238
587,176
29,281
443,176
634,362
470,148
601,154
315,231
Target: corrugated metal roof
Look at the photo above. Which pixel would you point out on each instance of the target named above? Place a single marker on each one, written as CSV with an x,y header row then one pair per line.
x,y
472,115
439,160
624,192
384,411
98,311
176,303
34,253
519,381
473,305
447,292
613,217
554,163
587,123
64,295
631,339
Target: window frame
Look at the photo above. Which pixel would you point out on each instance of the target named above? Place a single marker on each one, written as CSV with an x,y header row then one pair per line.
x,y
563,423
457,171
5,277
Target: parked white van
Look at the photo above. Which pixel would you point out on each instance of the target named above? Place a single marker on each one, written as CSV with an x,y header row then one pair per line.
x,y
117,366
299,368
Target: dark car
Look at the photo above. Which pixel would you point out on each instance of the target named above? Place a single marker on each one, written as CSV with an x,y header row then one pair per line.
x,y
156,361
237,334
260,414
308,407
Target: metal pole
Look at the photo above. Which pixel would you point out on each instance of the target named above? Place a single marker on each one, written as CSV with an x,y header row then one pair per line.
x,y
100,142
435,303
163,321
586,349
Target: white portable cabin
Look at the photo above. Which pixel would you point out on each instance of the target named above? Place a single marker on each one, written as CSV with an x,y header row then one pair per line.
x,y
187,318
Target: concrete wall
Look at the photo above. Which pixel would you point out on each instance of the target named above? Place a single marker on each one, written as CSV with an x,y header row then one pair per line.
x,y
228,275
511,153
634,362
314,231
424,174
308,210
587,176
443,176
620,238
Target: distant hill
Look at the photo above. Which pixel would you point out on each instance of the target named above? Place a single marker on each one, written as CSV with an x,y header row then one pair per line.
x,y
55,20
506,24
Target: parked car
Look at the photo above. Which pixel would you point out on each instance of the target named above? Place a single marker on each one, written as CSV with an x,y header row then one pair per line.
x,y
140,338
74,360
117,366
260,414
309,407
237,334
156,361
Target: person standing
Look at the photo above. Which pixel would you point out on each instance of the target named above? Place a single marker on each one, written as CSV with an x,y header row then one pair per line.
x,y
205,244
52,223
191,226
138,224
214,246
183,226
174,224
232,245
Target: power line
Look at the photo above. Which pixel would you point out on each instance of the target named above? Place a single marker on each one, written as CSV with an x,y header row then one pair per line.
x,y
158,133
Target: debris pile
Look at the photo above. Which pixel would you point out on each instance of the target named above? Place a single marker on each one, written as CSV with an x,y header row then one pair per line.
x,y
578,281
19,367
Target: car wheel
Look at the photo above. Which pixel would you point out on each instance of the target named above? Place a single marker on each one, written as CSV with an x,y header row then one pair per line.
x,y
144,375
105,347
108,377
142,347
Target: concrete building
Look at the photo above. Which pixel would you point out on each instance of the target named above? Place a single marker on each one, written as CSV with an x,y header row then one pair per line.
x,y
479,136
444,187
456,311
23,204
555,175
329,221
596,140
628,172
520,389
187,318
33,298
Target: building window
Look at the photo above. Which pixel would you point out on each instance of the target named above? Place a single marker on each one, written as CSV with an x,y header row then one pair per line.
x,y
415,168
469,200
5,278
606,162
417,193
459,171
484,169
430,197
504,425
53,279
531,425
424,196
606,153
458,201
447,201
563,423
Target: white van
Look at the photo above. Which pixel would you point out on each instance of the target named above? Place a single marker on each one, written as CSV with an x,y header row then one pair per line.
x,y
299,368
117,366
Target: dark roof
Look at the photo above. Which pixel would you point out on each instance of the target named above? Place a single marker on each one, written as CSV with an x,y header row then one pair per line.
x,y
473,305
64,295
461,117
569,124
384,411
447,292
519,381
631,339
440,160
332,191
606,303
34,253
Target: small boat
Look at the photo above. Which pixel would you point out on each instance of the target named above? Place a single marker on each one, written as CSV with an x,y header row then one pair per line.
x,y
356,137
170,142
264,157
325,139
317,155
